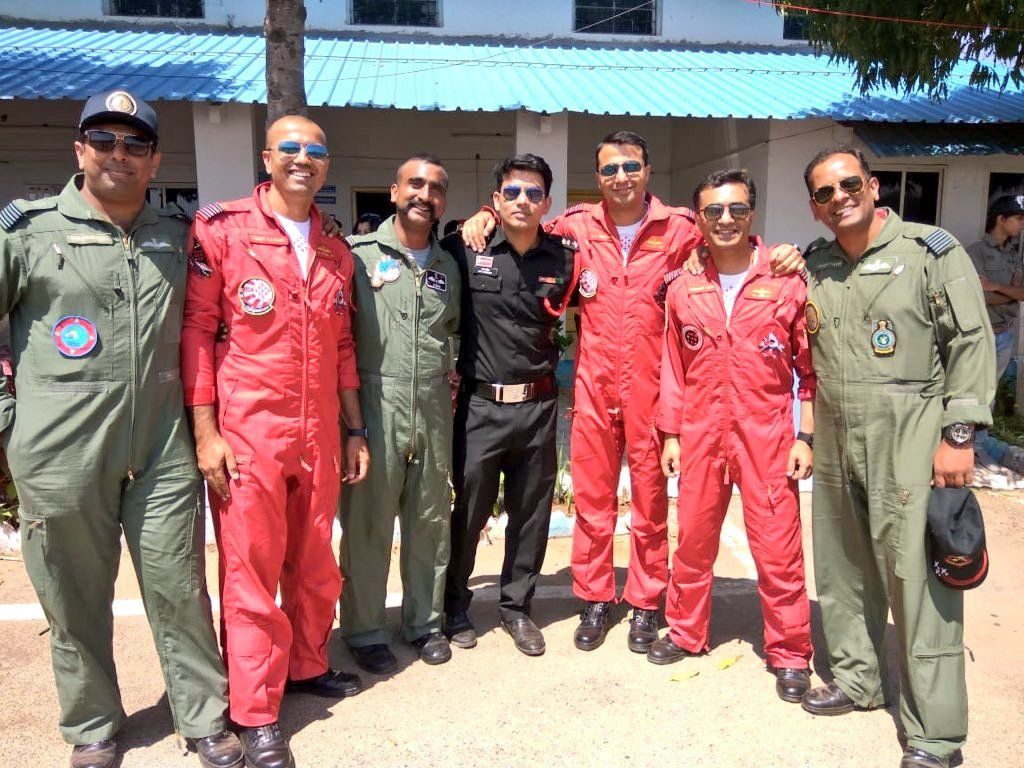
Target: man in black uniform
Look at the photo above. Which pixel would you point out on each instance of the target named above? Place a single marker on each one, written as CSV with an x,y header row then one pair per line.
x,y
514,293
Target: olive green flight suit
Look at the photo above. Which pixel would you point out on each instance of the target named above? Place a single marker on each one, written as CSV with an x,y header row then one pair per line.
x,y
902,347
402,331
98,445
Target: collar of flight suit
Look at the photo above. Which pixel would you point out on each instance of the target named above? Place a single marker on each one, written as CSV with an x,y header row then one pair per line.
x,y
656,210
891,229
387,237
262,203
72,204
761,264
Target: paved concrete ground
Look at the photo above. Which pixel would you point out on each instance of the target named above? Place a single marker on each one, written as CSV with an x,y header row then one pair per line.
x,y
492,706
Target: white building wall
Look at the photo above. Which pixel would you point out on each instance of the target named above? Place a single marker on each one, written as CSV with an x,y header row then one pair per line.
x,y
695,21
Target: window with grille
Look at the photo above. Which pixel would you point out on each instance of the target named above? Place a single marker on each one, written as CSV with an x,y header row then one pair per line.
x,y
402,13
616,17
171,9
914,194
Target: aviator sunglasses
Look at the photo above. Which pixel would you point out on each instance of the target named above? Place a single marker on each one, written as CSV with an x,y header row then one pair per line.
x,y
851,185
105,141
715,211
511,193
629,167
293,148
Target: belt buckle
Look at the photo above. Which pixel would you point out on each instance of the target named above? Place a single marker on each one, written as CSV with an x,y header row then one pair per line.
x,y
513,393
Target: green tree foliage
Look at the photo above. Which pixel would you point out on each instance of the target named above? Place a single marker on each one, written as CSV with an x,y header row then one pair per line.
x,y
895,49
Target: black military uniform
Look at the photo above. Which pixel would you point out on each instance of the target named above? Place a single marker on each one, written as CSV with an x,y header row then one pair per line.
x,y
506,413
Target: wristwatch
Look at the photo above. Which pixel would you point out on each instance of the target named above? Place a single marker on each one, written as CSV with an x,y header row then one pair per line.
x,y
959,435
361,432
807,437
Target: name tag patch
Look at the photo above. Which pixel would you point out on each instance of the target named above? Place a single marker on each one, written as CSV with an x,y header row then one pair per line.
x,y
268,239
438,281
89,238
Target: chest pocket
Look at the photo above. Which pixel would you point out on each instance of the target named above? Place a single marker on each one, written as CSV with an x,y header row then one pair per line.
x,y
485,283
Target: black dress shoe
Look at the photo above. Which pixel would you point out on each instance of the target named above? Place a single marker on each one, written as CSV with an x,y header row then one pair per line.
x,y
792,684
433,648
332,684
376,658
643,630
827,700
266,747
665,651
918,758
460,630
593,627
221,750
99,754
525,635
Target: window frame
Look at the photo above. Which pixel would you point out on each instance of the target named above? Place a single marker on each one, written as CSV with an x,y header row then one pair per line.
x,y
903,170
109,10
655,19
438,11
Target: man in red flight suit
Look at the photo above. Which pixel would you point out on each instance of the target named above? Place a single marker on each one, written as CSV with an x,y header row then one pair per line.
x,y
627,243
267,358
734,336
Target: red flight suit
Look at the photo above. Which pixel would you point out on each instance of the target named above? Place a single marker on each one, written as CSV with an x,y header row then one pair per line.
x,y
616,396
727,391
273,351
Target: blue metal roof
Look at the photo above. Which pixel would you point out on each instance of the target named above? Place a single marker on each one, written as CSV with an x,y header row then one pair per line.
x,y
934,140
445,74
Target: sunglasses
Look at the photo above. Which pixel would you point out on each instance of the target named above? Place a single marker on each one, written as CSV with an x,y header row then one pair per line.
x,y
511,193
851,185
629,167
293,148
715,211
105,141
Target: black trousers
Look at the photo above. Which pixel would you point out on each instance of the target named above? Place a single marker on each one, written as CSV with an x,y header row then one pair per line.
x,y
517,439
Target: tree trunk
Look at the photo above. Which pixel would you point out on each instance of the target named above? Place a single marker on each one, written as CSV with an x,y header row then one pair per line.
x,y
284,29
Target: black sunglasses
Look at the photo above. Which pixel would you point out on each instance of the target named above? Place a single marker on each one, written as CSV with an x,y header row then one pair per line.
x,y
511,192
630,167
851,185
105,141
293,148
715,211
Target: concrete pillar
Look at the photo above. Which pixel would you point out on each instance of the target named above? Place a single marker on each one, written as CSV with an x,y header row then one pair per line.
x,y
226,150
547,136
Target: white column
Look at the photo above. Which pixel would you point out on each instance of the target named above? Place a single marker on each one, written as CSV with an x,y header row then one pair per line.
x,y
226,150
547,136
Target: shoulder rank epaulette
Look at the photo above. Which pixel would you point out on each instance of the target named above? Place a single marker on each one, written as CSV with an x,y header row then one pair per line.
x,y
350,240
571,244
939,242
578,208
682,210
207,212
662,292
10,215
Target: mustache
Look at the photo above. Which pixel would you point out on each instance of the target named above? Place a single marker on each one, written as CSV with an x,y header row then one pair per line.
x,y
428,206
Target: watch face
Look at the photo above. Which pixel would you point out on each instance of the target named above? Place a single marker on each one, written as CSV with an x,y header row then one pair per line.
x,y
960,433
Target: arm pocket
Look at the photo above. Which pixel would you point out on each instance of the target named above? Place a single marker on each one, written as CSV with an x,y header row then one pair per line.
x,y
965,304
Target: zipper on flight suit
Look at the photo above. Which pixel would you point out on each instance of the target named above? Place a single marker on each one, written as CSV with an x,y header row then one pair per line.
x,y
417,275
133,344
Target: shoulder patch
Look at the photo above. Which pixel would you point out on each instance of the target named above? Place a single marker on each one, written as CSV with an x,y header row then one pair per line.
x,y
350,240
578,208
571,244
939,242
662,290
208,212
10,215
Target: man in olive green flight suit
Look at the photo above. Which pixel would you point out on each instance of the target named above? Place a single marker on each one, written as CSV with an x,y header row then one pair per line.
x,y
903,353
407,298
94,281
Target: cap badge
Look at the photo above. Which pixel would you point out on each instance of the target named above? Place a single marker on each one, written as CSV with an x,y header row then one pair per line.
x,y
121,101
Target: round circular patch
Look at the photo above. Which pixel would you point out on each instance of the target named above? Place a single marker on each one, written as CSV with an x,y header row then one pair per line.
x,y
692,337
813,317
257,296
121,101
75,336
588,283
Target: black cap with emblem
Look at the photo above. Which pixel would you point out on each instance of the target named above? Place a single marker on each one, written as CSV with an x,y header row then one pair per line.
x,y
119,106
1007,205
956,538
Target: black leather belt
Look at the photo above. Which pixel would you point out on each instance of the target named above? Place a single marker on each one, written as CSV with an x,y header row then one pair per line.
x,y
515,393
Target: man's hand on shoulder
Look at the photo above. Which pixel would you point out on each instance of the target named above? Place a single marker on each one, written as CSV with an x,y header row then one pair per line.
x,y
695,260
786,259
477,229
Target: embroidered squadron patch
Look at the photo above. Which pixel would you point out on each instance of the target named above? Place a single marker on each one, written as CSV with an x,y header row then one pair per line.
x,y
883,339
588,283
693,339
75,336
770,345
197,262
437,281
813,317
340,303
256,295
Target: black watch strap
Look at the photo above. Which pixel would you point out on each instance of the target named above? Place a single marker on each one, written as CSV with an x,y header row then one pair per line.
x,y
361,432
807,437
